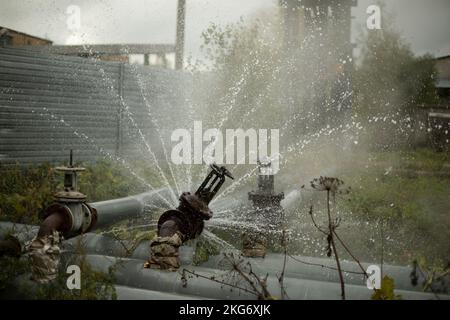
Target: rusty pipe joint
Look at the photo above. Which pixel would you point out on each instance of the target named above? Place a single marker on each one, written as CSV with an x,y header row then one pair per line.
x,y
186,222
70,219
70,215
175,227
63,219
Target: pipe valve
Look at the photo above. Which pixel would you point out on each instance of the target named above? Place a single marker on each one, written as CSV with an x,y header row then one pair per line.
x,y
186,222
67,217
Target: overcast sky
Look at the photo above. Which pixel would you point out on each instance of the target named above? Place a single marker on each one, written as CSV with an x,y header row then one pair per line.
x,y
424,23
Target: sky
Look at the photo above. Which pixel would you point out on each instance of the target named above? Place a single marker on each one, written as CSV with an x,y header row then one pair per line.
x,y
425,24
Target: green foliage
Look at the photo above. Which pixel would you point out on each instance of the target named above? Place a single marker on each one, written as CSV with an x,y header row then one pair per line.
x,y
105,180
203,250
421,159
245,59
389,82
414,210
386,292
436,274
24,192
11,268
95,285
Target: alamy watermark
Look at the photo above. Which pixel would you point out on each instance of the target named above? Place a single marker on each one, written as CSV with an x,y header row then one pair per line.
x,y
236,146
73,18
73,24
374,279
74,280
373,21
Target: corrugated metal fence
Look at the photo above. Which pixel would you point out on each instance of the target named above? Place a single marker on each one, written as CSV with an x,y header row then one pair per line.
x,y
50,104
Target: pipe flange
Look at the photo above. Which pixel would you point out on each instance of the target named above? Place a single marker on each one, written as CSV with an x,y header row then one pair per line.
x,y
80,217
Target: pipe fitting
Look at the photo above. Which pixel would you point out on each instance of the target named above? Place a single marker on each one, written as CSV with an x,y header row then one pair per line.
x,y
164,252
186,222
70,219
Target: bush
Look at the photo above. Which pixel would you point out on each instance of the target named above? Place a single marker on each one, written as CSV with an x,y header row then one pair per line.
x,y
25,192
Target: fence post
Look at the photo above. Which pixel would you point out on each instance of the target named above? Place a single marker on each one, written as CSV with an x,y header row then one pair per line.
x,y
119,136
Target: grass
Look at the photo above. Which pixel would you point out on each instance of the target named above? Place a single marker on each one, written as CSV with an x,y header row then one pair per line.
x,y
420,159
414,210
389,213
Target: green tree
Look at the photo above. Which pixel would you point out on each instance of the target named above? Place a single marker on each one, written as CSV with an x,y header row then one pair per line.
x,y
241,87
389,83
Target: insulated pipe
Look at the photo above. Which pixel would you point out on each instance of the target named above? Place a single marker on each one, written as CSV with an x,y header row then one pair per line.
x,y
103,245
108,212
22,232
130,273
112,211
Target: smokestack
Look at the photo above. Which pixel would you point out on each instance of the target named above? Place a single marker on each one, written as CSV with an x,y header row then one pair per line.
x,y
179,45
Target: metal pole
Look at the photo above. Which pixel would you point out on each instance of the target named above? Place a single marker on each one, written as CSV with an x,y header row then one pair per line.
x,y
179,45
119,136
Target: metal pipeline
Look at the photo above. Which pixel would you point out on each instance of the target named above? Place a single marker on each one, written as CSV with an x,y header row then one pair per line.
x,y
95,244
108,212
75,219
153,284
69,217
111,211
131,274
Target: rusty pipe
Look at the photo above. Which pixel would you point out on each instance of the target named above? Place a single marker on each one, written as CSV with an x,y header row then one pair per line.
x,y
57,221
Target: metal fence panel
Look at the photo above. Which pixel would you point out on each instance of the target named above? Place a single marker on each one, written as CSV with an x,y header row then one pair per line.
x,y
51,103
